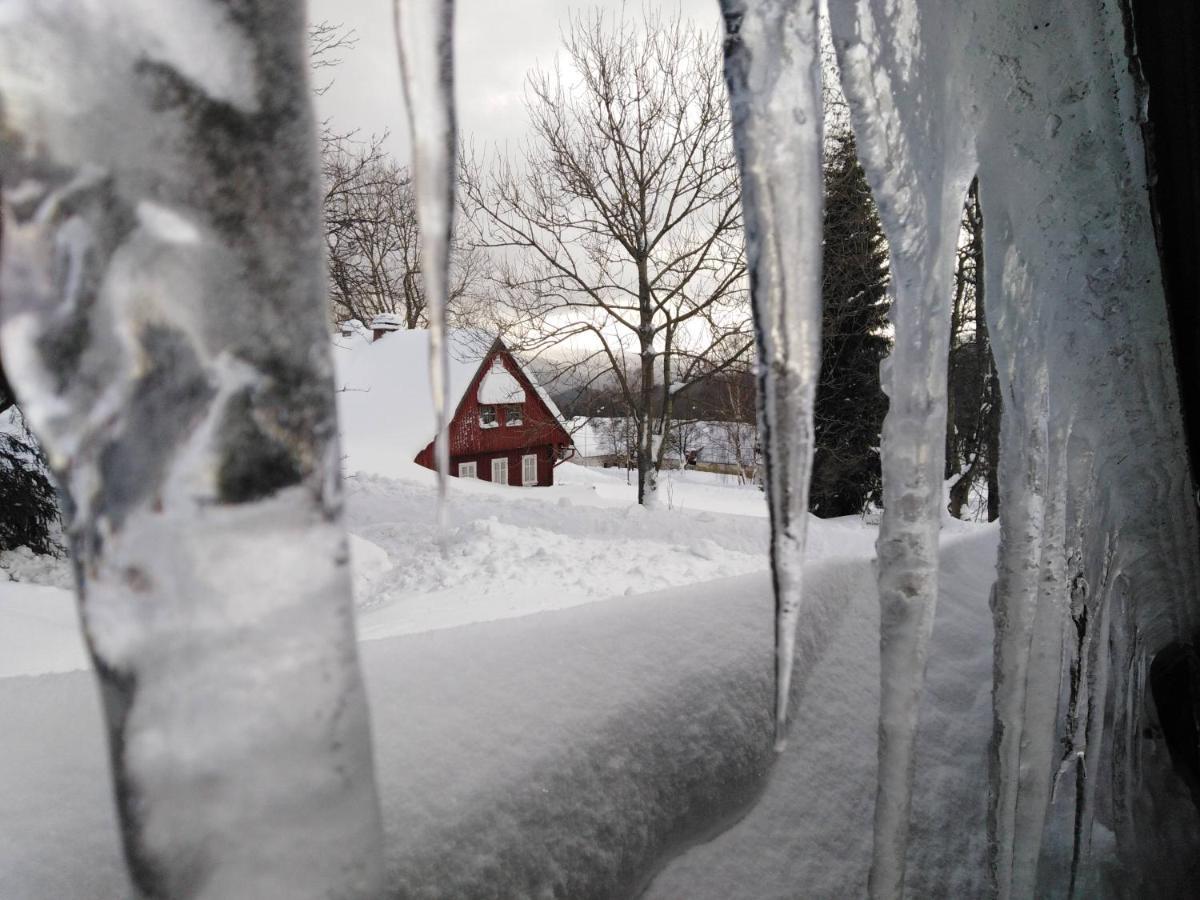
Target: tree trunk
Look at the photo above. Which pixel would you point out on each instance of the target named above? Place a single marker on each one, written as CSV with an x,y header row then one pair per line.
x,y
647,472
164,301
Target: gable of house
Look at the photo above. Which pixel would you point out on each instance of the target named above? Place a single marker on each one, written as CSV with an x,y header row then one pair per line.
x,y
385,402
503,410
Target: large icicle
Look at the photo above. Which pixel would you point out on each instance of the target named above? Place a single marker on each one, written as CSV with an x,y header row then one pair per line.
x,y
772,67
919,169
424,36
163,323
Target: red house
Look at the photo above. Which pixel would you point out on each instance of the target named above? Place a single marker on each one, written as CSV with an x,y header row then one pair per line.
x,y
504,428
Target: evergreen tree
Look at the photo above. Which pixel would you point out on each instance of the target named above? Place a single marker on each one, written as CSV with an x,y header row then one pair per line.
x,y
28,503
973,389
850,403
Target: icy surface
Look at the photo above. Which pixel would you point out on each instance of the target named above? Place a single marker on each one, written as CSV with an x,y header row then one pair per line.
x,y
1096,512
424,35
163,323
772,68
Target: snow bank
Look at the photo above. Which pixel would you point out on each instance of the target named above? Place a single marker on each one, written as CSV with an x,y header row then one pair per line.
x,y
22,564
40,631
565,754
810,834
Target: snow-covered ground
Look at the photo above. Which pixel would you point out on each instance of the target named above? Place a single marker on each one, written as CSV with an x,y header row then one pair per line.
x,y
567,689
505,552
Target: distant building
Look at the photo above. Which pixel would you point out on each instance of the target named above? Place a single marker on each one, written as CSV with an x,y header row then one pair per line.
x,y
503,427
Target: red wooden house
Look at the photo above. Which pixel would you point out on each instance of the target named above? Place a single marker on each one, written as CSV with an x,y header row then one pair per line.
x,y
504,427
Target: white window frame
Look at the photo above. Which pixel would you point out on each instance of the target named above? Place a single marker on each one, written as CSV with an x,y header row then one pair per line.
x,y
468,470
500,470
509,410
496,413
529,460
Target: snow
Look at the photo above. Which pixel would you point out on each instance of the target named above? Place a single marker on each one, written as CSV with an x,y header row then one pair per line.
x,y
40,630
22,564
385,411
573,750
828,771
513,754
499,386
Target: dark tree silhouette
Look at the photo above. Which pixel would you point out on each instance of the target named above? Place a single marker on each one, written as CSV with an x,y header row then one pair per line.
x,y
850,403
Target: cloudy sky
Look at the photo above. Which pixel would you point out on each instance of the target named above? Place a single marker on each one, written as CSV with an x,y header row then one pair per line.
x,y
496,44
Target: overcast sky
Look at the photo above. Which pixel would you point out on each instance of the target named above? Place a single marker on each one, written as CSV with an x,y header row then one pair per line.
x,y
496,44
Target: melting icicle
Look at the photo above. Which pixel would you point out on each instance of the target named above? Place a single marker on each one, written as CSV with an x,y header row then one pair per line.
x,y
424,32
772,68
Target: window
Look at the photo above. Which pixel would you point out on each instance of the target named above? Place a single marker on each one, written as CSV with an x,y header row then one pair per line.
x,y
529,470
467,470
500,471
487,417
512,414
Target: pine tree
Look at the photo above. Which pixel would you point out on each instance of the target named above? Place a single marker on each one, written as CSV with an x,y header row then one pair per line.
x,y
28,502
850,403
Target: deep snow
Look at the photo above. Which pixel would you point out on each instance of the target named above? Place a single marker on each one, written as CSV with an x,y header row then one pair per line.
x,y
571,750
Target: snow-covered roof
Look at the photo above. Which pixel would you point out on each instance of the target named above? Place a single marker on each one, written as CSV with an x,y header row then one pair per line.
x,y
499,386
385,403
386,321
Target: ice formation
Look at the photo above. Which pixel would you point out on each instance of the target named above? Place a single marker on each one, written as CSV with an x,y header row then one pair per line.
x,y
1094,482
424,31
773,70
163,326
1096,569
160,403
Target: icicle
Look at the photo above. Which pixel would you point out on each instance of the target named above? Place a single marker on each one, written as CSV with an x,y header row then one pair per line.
x,y
424,37
772,68
1023,463
920,178
164,322
1038,736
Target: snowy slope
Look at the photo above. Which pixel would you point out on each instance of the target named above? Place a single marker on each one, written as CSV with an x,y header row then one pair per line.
x,y
566,751
810,835
505,552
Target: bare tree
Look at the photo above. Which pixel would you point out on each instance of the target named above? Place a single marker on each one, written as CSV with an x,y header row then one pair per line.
x,y
371,230
620,229
374,242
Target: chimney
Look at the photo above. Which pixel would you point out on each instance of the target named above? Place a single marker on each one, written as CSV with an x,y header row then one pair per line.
x,y
384,324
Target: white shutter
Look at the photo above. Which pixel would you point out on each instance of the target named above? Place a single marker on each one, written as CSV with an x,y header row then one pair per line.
x,y
529,470
500,471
